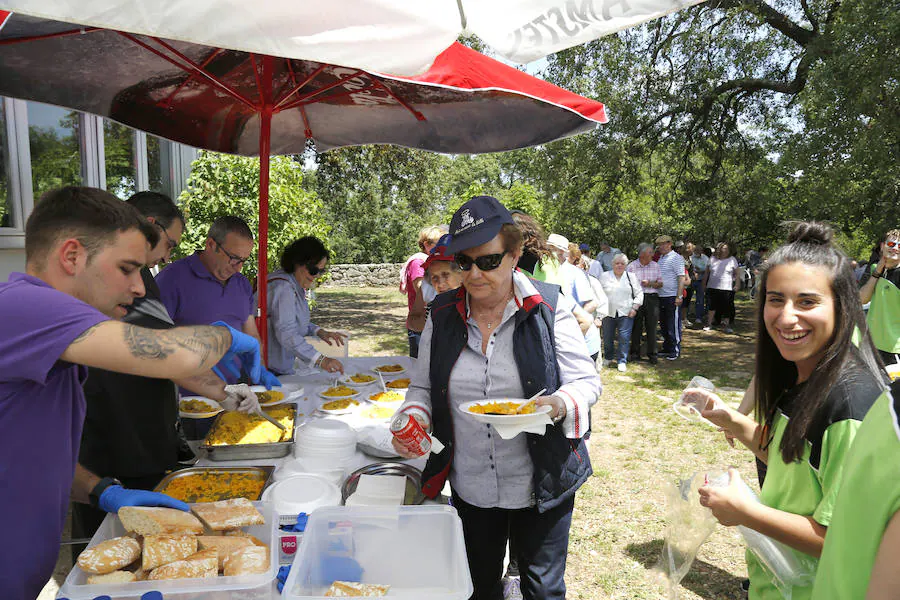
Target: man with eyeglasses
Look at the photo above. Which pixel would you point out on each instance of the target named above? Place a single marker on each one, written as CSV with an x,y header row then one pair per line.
x,y
208,285
881,287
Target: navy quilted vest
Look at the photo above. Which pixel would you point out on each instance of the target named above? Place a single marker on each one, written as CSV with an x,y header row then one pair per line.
x,y
561,465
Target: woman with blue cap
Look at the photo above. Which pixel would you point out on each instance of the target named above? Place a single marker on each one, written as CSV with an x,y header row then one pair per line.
x,y
504,335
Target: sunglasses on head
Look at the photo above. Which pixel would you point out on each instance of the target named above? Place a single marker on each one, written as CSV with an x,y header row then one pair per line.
x,y
488,262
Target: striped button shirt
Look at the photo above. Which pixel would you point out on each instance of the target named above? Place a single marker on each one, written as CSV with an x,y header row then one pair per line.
x,y
648,272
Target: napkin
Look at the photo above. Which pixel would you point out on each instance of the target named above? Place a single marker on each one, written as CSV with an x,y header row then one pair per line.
x,y
378,490
537,425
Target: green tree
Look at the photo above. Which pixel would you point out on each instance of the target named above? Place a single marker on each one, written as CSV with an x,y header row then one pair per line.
x,y
222,184
377,198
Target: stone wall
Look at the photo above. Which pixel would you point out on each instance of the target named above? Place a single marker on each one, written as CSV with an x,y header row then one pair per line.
x,y
371,275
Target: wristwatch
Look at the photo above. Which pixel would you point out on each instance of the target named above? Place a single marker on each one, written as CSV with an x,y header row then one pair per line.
x,y
98,490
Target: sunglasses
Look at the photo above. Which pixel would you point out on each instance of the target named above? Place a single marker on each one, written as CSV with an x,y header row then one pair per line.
x,y
234,259
488,262
314,270
892,243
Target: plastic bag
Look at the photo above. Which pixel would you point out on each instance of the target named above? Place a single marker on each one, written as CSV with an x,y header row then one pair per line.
x,y
786,567
688,526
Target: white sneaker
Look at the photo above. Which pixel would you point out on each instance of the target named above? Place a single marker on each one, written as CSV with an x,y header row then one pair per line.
x,y
707,328
729,330
512,589
622,368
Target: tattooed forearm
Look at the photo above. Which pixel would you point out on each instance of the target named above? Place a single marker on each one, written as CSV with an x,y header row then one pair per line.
x,y
207,343
147,343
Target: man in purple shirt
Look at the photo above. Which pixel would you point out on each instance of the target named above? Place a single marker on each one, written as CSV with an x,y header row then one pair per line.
x,y
208,285
84,249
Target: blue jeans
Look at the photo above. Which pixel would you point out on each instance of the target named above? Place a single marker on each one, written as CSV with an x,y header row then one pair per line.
x,y
699,299
617,327
670,323
541,542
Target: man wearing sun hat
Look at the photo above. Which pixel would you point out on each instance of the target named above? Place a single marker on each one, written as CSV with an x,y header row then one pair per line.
x,y
671,269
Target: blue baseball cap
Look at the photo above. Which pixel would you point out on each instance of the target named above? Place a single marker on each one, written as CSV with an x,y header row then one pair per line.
x,y
477,222
584,247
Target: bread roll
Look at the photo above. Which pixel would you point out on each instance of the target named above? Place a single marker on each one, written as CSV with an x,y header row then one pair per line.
x,y
156,520
163,549
110,555
114,577
353,588
224,545
228,514
251,560
241,533
201,564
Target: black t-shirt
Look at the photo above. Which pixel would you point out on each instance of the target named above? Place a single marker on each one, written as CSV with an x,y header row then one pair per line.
x,y
130,426
892,275
527,261
851,397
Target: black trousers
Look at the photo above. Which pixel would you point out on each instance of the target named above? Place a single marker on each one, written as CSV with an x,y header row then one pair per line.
x,y
541,543
645,321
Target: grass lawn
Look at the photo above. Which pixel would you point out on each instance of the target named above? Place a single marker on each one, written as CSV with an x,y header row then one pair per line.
x,y
637,447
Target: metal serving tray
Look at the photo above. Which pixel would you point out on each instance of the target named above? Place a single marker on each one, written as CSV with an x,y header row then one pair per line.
x,y
262,473
413,476
249,451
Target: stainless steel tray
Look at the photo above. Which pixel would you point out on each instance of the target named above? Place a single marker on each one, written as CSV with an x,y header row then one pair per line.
x,y
263,473
249,451
413,476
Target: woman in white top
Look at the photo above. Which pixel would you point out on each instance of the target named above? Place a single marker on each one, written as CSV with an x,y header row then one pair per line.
x,y
722,282
625,298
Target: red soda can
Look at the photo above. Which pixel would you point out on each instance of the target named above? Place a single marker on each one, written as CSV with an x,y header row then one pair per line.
x,y
411,434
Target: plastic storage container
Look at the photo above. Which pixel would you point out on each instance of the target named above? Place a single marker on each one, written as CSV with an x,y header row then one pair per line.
x,y
242,587
418,550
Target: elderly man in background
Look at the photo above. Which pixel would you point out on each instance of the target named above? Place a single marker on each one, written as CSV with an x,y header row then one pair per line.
x,y
604,259
208,285
671,296
646,270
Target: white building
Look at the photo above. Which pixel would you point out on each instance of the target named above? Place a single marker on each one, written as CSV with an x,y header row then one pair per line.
x,y
44,147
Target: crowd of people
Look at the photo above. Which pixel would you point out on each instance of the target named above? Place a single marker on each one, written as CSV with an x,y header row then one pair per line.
x,y
497,308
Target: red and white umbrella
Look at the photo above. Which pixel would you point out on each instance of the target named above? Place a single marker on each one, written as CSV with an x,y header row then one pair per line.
x,y
238,102
389,36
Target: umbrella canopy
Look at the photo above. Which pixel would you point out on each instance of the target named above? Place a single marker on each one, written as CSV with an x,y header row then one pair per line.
x,y
233,101
213,98
392,36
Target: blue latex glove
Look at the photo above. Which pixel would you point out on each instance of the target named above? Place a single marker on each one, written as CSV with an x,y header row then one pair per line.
x,y
244,348
115,497
282,576
268,379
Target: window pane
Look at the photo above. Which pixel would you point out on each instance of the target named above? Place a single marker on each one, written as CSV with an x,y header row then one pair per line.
x,y
55,151
5,207
154,164
121,171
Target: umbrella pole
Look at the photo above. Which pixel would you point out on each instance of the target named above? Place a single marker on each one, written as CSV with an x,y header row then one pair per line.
x,y
265,139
